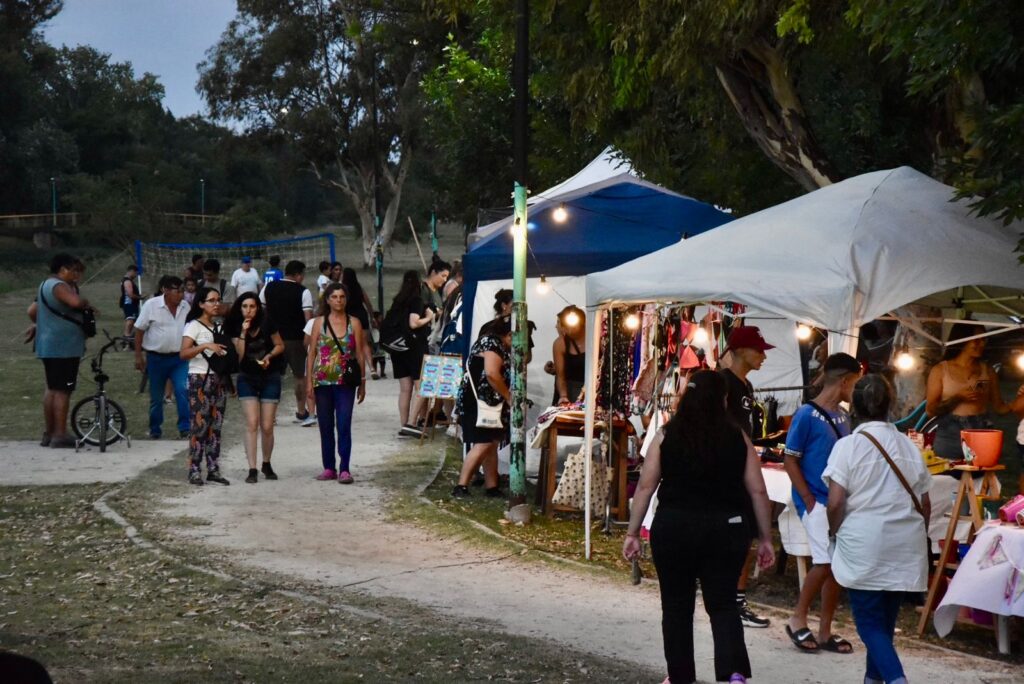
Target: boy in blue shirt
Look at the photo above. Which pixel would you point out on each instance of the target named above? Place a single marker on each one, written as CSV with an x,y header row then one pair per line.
x,y
816,427
274,272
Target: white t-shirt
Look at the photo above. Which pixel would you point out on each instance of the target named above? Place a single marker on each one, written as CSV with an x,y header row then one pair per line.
x,y
307,330
880,545
245,281
197,365
322,282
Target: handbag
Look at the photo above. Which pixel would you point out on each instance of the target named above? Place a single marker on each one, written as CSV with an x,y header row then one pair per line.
x,y
487,416
222,364
352,376
906,485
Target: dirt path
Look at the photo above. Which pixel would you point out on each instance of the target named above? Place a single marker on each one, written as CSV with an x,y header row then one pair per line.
x,y
339,536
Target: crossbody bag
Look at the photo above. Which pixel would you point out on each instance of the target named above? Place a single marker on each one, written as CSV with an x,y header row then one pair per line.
x,y
352,376
87,324
899,475
487,416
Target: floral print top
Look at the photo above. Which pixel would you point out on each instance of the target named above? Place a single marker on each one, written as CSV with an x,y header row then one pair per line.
x,y
487,393
330,361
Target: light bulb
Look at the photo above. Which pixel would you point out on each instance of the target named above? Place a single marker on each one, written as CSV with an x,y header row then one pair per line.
x,y
542,287
572,319
632,322
1020,362
516,229
904,361
803,332
701,336
560,214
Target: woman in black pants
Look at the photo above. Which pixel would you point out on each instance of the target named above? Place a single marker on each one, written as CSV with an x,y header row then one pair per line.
x,y
711,501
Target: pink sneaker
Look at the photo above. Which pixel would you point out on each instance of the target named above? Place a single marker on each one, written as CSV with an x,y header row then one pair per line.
x,y
345,477
328,474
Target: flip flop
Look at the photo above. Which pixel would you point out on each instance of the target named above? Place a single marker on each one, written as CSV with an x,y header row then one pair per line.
x,y
803,639
837,644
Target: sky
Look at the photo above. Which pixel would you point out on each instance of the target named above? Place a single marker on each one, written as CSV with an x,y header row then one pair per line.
x,y
164,37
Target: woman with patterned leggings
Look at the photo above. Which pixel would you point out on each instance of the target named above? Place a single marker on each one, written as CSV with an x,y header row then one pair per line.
x,y
337,356
207,390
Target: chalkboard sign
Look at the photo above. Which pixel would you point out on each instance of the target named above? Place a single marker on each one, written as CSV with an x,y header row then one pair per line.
x,y
440,376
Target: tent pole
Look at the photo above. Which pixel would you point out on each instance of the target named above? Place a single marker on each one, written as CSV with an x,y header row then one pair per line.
x,y
607,527
590,395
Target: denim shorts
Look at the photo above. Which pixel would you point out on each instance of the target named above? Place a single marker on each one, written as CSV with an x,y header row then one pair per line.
x,y
264,388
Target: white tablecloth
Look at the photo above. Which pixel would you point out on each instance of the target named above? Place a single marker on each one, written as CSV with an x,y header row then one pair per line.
x,y
791,530
991,577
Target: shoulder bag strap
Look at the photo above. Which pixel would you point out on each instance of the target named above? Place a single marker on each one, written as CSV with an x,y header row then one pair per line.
x,y
896,471
469,375
330,329
831,422
70,319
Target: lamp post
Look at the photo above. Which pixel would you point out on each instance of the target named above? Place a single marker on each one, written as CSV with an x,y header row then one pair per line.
x,y
202,201
519,510
53,200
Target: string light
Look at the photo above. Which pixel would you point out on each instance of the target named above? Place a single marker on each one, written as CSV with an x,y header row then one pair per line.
x,y
560,214
632,322
701,336
543,287
517,229
904,360
1020,362
572,319
803,332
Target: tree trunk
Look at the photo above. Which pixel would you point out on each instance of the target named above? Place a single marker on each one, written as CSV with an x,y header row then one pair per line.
x,y
910,385
758,84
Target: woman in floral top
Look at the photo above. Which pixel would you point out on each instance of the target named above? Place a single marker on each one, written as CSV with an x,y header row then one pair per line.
x,y
488,371
334,378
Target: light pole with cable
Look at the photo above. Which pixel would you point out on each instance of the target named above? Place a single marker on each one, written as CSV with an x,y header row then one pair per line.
x,y
202,201
53,200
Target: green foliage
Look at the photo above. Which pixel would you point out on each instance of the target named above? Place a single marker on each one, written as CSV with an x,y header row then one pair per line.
x,y
251,219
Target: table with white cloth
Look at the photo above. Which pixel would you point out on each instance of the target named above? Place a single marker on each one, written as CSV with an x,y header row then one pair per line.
x,y
990,578
791,529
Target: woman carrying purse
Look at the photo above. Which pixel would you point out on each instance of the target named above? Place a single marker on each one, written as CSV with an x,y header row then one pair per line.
x,y
485,382
334,378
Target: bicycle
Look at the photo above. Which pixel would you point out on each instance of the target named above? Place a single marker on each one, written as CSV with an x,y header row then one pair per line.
x,y
99,420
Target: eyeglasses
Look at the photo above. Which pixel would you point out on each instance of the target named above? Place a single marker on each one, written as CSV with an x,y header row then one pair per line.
x,y
211,301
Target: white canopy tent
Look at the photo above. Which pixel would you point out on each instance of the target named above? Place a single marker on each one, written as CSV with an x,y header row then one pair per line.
x,y
835,258
605,165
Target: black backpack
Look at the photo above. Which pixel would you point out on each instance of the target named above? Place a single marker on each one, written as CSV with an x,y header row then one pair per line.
x,y
395,335
228,363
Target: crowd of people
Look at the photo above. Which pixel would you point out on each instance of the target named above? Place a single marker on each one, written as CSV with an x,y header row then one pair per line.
x,y
202,338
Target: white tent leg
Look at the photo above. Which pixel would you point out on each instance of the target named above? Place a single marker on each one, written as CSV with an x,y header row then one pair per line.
x,y
594,320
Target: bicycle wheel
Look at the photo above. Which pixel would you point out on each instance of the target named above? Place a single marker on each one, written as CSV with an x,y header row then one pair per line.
x,y
89,421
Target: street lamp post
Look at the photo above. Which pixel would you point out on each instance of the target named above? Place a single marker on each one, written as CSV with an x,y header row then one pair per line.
x,y
53,200
202,201
519,510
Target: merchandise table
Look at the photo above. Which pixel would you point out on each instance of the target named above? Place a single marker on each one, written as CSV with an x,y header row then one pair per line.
x,y
990,578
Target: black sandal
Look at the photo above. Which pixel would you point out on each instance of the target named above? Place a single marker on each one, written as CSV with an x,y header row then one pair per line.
x,y
837,644
803,639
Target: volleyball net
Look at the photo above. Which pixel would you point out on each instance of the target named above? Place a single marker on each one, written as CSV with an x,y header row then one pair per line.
x,y
156,259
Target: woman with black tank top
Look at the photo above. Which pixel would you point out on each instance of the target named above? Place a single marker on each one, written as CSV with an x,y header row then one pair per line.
x,y
712,500
568,353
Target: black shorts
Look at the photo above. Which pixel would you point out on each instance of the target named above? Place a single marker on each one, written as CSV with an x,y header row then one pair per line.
x,y
62,374
407,364
295,352
131,311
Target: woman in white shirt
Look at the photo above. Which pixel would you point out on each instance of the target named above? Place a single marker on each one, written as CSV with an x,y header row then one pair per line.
x,y
879,529
207,389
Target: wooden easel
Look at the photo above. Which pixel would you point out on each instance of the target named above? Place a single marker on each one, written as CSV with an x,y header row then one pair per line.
x,y
989,492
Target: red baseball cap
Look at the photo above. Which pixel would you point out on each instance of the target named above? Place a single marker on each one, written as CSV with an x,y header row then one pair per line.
x,y
747,337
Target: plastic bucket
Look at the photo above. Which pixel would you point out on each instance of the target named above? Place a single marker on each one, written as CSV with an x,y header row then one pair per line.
x,y
986,446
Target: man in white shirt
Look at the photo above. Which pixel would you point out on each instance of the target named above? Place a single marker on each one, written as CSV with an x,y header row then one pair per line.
x,y
246,278
158,333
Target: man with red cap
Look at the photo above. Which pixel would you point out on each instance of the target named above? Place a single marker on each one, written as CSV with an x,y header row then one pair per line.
x,y
744,352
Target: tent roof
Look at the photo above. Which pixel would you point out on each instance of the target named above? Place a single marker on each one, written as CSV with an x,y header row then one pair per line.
x,y
610,222
836,257
605,165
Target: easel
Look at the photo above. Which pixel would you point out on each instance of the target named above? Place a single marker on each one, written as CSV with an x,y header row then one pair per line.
x,y
988,492
440,377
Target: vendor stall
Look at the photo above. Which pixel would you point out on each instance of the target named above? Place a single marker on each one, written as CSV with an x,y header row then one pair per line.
x,y
836,258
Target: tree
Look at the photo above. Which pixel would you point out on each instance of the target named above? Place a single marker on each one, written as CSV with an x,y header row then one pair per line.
x,y
340,80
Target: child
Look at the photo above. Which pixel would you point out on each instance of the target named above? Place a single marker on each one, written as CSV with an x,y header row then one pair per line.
x,y
379,356
324,279
190,289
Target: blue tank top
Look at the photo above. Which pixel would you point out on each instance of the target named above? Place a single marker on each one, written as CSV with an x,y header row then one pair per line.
x,y
57,338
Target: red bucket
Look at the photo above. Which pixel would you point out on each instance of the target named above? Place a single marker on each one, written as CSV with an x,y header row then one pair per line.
x,y
986,445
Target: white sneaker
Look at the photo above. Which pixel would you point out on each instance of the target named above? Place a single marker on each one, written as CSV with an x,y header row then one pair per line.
x,y
309,421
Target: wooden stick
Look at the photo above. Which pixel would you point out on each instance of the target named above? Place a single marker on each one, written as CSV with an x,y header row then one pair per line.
x,y
417,241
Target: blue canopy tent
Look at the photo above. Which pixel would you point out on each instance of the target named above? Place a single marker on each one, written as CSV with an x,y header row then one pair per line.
x,y
609,223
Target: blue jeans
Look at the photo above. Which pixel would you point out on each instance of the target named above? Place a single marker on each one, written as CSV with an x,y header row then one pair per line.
x,y
334,409
160,367
875,614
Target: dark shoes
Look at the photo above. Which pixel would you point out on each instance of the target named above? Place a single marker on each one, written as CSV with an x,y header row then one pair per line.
x,y
494,493
252,476
410,431
268,472
195,478
45,441
460,492
750,619
62,443
215,476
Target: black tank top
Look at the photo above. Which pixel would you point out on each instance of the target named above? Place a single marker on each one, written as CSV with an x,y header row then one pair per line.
x,y
575,363
689,484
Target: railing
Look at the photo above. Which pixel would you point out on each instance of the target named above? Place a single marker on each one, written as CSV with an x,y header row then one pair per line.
x,y
12,223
